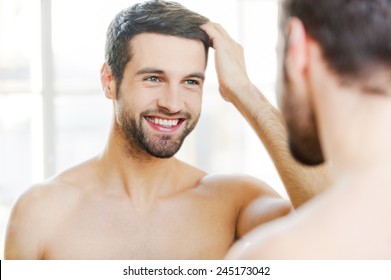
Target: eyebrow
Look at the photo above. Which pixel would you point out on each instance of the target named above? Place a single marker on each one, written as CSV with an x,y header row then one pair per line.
x,y
151,70
198,75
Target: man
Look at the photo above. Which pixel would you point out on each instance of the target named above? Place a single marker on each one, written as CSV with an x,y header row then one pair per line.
x,y
336,100
135,200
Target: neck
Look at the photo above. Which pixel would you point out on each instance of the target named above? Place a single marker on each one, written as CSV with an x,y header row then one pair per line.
x,y
353,121
358,147
355,134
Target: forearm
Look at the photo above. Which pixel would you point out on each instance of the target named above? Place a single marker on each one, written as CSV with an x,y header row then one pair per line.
x,y
301,182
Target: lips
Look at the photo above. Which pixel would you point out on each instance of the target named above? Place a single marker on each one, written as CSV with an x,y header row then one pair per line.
x,y
164,125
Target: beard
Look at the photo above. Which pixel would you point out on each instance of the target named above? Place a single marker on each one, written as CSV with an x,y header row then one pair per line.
x,y
140,141
304,143
303,137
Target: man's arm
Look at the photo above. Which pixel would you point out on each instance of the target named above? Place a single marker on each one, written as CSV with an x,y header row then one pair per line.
x,y
301,182
261,204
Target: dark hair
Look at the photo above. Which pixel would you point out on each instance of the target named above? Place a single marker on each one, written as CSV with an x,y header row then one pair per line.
x,y
355,35
156,16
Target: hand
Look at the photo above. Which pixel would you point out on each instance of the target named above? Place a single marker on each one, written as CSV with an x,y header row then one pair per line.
x,y
229,62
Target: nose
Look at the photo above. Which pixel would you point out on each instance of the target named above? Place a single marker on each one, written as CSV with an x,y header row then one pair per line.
x,y
171,99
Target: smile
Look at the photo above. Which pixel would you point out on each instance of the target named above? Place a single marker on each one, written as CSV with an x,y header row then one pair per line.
x,y
164,124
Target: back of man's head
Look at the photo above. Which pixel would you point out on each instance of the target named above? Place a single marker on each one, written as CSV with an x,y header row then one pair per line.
x,y
354,34
154,16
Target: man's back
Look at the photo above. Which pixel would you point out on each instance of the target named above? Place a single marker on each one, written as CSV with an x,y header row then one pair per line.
x,y
77,216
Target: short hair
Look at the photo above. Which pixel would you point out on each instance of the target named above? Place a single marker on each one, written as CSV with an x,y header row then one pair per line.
x,y
155,16
355,35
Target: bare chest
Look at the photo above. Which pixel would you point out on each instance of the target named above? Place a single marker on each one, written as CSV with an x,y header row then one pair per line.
x,y
172,231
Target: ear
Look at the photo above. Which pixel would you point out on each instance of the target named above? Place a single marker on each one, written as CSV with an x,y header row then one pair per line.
x,y
108,82
296,57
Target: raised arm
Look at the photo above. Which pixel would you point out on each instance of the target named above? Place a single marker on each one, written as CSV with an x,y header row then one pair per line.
x,y
301,182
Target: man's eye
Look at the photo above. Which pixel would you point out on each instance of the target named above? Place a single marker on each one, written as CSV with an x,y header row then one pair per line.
x,y
192,82
152,79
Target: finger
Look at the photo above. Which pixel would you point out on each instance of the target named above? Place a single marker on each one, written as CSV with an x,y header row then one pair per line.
x,y
214,30
221,30
211,30
212,33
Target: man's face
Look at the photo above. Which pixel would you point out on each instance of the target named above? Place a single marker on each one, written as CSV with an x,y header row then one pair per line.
x,y
299,116
159,100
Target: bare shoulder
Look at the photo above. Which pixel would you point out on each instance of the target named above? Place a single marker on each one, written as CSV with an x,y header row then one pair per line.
x,y
37,211
255,201
44,198
327,227
302,234
234,183
239,185
59,190
30,221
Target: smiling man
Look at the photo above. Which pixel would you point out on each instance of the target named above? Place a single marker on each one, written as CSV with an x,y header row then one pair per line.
x,y
136,200
159,101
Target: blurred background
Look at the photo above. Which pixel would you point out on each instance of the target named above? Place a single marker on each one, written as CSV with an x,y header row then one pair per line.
x,y
54,115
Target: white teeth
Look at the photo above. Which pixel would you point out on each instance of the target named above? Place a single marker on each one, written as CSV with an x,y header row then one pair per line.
x,y
164,122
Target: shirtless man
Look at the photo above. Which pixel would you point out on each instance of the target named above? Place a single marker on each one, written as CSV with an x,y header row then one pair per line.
x,y
135,200
335,95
